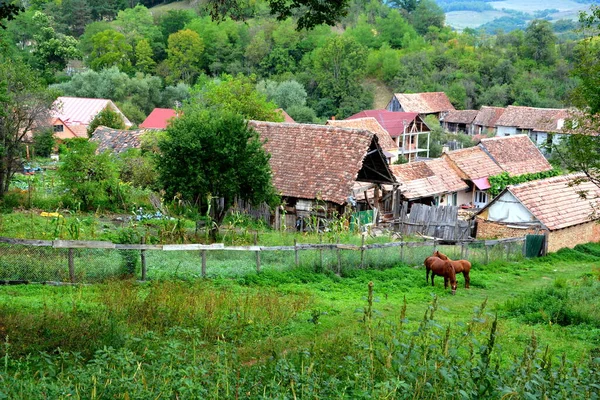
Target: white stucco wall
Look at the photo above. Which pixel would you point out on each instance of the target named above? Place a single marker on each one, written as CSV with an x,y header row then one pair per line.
x,y
508,209
506,130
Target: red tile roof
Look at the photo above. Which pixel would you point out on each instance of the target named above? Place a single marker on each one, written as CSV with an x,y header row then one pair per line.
x,y
314,161
116,140
424,103
370,124
556,203
472,163
461,116
488,116
447,174
536,119
159,118
417,180
516,155
393,122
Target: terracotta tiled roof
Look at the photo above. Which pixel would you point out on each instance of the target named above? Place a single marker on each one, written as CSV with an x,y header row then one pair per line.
x,y
461,116
556,204
286,116
516,155
488,116
116,140
536,119
81,111
447,174
472,163
424,103
393,122
417,180
314,161
370,124
158,118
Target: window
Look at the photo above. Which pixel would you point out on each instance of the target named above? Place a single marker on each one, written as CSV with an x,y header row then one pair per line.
x,y
452,199
480,197
58,128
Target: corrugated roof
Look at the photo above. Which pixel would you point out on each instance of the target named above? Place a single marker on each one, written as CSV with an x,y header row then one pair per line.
x,y
556,203
488,116
393,122
314,161
81,111
461,116
537,119
516,154
424,103
158,118
116,140
472,163
385,140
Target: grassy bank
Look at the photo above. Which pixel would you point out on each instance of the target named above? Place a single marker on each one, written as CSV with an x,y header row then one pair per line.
x,y
305,334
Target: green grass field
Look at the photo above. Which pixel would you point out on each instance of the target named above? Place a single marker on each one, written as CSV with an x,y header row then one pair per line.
x,y
281,333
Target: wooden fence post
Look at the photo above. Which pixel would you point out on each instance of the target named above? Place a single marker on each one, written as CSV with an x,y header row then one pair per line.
x,y
296,252
339,258
487,256
143,257
203,257
362,251
257,254
71,266
402,252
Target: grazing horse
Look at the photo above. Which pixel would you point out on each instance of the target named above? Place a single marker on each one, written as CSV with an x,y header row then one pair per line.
x,y
463,266
440,267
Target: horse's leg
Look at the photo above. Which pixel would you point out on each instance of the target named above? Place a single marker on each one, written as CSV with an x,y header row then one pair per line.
x,y
445,282
426,274
467,279
432,276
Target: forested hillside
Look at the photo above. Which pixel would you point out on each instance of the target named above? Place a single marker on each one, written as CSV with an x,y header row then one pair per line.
x,y
145,57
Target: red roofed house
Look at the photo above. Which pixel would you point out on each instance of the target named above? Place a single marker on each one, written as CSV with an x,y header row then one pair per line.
x,y
158,118
516,155
404,128
77,113
389,147
315,166
431,103
543,125
550,206
460,121
485,121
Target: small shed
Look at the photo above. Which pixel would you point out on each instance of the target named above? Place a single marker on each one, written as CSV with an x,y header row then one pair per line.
x,y
457,121
553,207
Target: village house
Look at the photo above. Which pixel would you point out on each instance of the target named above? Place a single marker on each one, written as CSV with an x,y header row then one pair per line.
x,y
76,113
431,182
516,155
486,119
389,147
117,140
553,207
159,118
459,121
543,125
408,130
315,167
430,103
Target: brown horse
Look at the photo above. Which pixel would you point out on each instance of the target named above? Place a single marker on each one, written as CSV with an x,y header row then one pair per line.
x,y
463,266
440,267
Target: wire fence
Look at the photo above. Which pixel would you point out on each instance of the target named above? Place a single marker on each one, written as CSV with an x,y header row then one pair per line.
x,y
89,262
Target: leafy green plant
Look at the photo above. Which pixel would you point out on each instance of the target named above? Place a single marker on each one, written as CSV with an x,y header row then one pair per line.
x,y
499,182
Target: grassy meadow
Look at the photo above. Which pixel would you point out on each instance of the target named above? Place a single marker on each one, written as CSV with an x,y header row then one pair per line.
x,y
526,329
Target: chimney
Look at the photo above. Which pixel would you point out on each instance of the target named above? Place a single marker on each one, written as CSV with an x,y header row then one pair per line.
x,y
445,149
333,118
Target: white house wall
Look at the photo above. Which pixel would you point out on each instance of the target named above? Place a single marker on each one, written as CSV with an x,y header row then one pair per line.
x,y
508,209
506,130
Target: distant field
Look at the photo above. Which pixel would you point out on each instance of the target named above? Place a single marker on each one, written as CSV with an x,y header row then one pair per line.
x,y
472,19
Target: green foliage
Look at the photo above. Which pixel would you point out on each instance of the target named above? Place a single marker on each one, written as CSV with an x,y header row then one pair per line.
x,y
90,178
138,169
499,182
43,142
107,117
231,94
302,114
143,57
209,155
110,49
184,56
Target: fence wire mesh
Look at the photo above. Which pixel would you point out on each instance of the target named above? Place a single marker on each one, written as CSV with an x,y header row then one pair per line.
x,y
20,262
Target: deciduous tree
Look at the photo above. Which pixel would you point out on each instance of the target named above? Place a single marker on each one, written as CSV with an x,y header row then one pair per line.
x,y
184,56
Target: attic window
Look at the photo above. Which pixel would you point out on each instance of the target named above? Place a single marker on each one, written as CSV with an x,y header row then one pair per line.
x,y
58,128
